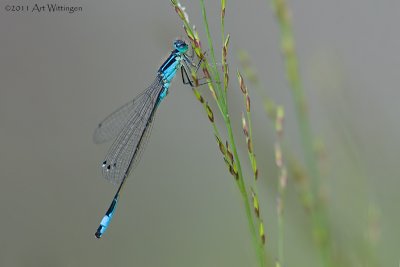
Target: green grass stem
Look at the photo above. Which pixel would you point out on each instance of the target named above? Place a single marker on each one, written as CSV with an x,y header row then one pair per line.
x,y
320,224
220,96
282,181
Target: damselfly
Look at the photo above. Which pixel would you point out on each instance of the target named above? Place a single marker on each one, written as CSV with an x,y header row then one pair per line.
x,y
131,125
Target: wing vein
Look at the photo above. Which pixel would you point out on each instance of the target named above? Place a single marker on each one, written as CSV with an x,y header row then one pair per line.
x,y
127,148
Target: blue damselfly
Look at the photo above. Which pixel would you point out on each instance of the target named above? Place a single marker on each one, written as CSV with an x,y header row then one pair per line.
x,y
131,125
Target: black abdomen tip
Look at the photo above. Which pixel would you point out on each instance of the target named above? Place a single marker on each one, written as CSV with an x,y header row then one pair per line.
x,y
97,234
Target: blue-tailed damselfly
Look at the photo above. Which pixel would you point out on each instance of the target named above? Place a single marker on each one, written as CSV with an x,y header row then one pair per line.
x,y
131,125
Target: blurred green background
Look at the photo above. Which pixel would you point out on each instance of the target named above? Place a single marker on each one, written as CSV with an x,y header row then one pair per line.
x,y
60,74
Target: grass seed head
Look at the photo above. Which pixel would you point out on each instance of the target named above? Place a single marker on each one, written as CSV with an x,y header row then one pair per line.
x,y
241,83
244,126
247,103
256,206
262,233
210,114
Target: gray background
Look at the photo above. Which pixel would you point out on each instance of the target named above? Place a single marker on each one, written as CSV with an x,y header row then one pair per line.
x,y
60,74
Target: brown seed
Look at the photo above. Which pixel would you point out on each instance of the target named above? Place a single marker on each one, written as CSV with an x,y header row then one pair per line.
x,y
231,170
248,103
222,148
244,126
226,79
241,83
249,145
230,155
210,113
225,53
206,73
197,43
227,163
246,132
255,203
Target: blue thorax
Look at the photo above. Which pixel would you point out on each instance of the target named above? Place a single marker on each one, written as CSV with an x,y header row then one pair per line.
x,y
173,63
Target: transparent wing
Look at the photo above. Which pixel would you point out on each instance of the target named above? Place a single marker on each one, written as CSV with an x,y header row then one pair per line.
x,y
141,146
128,146
113,123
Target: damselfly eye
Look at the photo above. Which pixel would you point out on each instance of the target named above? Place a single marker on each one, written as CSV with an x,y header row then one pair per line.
x,y
181,46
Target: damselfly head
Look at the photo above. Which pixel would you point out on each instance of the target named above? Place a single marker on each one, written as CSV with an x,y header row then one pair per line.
x,y
181,46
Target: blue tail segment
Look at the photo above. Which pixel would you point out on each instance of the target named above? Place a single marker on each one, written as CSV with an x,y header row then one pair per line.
x,y
107,218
